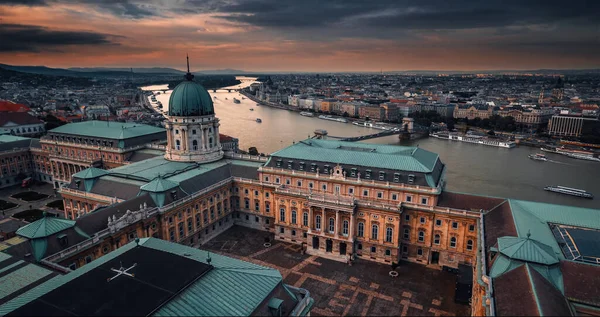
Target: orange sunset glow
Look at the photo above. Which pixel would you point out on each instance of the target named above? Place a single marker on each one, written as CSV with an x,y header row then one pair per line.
x,y
271,35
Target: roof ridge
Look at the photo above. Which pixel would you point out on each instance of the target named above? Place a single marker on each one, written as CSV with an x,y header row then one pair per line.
x,y
533,290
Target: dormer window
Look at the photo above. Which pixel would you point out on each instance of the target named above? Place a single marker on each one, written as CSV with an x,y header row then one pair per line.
x,y
353,172
313,167
326,169
63,240
301,166
290,164
368,174
411,178
278,163
396,177
381,176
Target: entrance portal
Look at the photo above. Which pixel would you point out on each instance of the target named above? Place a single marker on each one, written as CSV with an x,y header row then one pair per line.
x,y
328,245
435,257
342,248
315,242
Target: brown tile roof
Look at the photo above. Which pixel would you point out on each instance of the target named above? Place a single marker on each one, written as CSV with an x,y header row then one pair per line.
x,y
9,106
20,118
550,299
468,201
498,223
582,282
514,295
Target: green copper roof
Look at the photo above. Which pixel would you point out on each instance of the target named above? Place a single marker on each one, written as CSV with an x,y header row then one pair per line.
x,y
159,185
44,227
232,288
392,157
91,172
527,249
190,99
6,138
560,214
108,129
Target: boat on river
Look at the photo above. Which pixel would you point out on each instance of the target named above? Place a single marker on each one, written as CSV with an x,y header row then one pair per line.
x,y
258,120
569,191
235,100
476,139
331,118
538,157
307,114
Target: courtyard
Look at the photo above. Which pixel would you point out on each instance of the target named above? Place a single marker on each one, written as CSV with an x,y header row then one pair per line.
x,y
363,289
16,199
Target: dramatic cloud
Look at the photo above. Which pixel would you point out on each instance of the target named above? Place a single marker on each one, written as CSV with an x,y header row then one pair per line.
x,y
29,38
312,34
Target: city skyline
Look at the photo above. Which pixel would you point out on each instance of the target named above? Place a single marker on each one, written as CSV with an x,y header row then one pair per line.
x,y
269,35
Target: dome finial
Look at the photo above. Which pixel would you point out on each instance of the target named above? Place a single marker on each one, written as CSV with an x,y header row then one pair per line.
x,y
189,75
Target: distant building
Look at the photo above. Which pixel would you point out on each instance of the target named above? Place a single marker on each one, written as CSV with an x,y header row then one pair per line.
x,y
391,111
229,143
444,110
531,117
15,159
21,124
373,112
9,106
574,126
466,111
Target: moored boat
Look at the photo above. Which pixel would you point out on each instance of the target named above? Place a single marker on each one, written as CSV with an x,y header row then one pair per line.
x,y
307,114
569,191
538,157
258,120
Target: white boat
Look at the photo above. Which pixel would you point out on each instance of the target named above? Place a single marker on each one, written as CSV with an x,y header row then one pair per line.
x,y
569,191
580,156
235,100
475,139
331,118
307,114
251,109
258,120
538,157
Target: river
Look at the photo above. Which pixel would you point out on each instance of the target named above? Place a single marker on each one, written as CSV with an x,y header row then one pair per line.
x,y
471,168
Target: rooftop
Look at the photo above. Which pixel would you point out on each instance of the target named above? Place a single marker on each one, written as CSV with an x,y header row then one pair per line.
x,y
108,129
391,157
194,285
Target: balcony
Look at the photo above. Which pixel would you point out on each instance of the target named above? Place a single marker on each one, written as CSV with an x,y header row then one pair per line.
x,y
86,195
316,197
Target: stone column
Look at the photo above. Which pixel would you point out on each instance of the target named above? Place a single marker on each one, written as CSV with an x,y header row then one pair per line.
x,y
204,138
351,229
310,219
323,220
337,224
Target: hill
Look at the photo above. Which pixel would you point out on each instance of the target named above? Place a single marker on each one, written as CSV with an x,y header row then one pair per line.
x,y
145,70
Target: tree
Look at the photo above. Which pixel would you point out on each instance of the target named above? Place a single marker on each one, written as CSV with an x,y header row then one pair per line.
x,y
253,151
346,114
491,132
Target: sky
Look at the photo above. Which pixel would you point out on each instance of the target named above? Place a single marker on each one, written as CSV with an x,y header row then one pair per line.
x,y
303,35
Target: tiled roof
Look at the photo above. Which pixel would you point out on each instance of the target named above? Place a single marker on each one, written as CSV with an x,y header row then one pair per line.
x,y
91,172
159,185
513,294
44,227
581,282
362,154
6,106
527,249
108,130
20,118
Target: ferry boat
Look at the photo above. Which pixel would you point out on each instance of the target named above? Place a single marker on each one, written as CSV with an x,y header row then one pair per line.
x,y
569,191
307,114
235,100
475,139
372,125
251,109
333,119
580,156
258,120
538,157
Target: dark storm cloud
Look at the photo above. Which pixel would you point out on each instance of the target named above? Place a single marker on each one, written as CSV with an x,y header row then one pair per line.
x,y
407,14
23,2
30,38
123,8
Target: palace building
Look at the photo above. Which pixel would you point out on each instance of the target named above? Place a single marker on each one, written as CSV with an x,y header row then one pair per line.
x,y
339,200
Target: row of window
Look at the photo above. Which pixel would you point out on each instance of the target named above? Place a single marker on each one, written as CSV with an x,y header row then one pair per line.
x,y
81,140
438,222
365,193
194,144
25,130
193,131
353,171
436,239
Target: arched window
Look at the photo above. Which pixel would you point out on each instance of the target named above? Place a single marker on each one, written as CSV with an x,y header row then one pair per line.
x,y
469,245
421,236
318,222
436,239
282,214
389,233
374,232
361,229
293,216
177,144
345,227
195,144
331,225
305,219
453,242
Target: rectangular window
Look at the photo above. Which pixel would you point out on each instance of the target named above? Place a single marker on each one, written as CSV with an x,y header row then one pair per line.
x,y
373,249
256,193
411,178
394,196
408,199
290,164
423,220
380,195
350,190
305,219
471,228
396,177
282,215
313,167
267,179
299,183
301,166
267,206
368,174
438,222
324,187
454,225
311,185
407,217
293,217
278,163
326,169
257,205
288,181
424,201
365,193
277,180
353,172
381,176
406,234
419,251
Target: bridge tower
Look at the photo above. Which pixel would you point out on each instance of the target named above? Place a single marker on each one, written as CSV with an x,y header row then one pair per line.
x,y
408,124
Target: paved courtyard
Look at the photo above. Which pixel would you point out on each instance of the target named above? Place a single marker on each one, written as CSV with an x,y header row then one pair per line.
x,y
363,289
42,188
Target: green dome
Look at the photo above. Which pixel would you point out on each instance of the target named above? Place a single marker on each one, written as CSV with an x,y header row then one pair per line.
x,y
190,99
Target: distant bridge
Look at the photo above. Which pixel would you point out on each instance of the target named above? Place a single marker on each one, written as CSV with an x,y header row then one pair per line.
x,y
364,137
405,134
224,90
